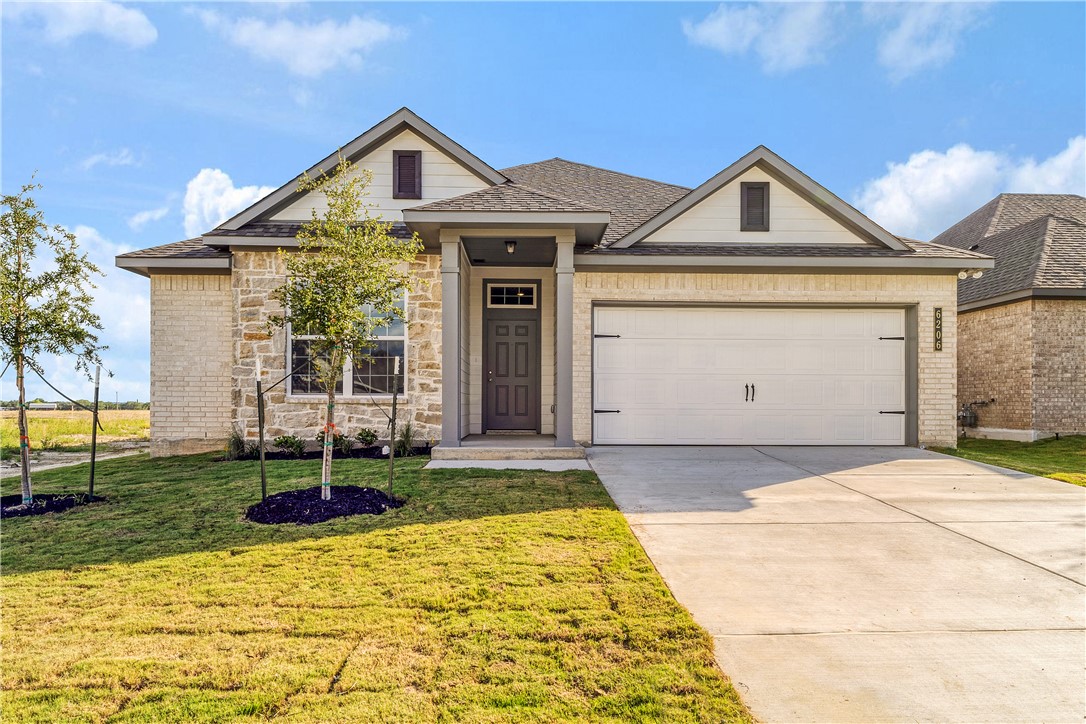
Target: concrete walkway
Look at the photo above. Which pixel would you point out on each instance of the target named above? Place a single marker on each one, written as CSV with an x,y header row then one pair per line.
x,y
869,584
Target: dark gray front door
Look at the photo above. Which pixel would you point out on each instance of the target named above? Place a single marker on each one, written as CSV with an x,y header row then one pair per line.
x,y
512,374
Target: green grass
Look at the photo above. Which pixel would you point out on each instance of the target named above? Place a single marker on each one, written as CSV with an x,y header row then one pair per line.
x,y
490,596
71,431
1063,459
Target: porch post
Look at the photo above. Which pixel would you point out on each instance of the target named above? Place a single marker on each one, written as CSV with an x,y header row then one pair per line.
x,y
450,339
563,345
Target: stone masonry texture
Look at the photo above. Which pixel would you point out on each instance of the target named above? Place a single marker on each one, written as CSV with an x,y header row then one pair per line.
x,y
937,394
191,349
255,275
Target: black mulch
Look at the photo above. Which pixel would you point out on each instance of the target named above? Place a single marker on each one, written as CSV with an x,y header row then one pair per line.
x,y
11,506
305,507
373,452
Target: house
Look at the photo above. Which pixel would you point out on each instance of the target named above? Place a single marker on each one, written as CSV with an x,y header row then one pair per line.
x,y
1022,326
580,305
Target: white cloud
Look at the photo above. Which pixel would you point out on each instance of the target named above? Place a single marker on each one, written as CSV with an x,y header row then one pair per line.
x,y
137,221
308,50
785,36
211,198
65,21
120,157
921,35
934,190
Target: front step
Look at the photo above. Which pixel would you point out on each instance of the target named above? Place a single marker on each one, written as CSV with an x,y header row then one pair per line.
x,y
507,453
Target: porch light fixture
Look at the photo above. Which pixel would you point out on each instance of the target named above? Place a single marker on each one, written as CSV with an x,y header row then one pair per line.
x,y
510,246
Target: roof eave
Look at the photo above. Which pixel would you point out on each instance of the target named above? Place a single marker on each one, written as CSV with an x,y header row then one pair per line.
x,y
630,261
1022,295
147,265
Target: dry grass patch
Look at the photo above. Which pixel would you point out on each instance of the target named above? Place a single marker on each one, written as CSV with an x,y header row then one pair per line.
x,y
490,596
71,430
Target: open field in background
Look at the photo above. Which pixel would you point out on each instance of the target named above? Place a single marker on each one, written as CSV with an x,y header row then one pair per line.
x,y
1063,459
71,430
492,595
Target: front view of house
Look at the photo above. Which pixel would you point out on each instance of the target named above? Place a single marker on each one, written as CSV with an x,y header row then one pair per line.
x,y
579,304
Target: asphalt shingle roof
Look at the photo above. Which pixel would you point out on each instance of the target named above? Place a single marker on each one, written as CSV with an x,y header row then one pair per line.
x,y
507,197
632,200
289,229
187,249
1038,241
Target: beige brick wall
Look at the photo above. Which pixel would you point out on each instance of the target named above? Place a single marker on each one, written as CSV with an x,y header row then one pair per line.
x,y
191,350
937,370
1059,366
995,359
255,275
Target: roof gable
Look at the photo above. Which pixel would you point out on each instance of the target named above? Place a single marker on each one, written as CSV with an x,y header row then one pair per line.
x,y
800,185
403,120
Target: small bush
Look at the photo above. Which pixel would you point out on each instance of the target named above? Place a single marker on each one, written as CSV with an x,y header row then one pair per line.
x,y
342,443
291,445
238,449
367,436
405,441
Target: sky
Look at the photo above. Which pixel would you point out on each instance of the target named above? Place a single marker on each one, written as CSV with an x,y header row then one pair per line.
x,y
148,123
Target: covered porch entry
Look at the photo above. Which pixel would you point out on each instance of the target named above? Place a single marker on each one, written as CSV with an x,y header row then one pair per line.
x,y
506,363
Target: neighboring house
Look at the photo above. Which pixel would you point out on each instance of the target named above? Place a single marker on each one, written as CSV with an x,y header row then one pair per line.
x,y
571,301
1022,326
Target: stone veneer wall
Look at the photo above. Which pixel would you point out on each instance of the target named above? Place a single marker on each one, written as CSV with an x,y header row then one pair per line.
x,y
255,275
1059,366
937,370
191,349
995,361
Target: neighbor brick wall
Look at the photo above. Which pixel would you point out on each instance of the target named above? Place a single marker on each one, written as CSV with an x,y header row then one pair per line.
x,y
255,275
995,362
191,350
1059,366
937,370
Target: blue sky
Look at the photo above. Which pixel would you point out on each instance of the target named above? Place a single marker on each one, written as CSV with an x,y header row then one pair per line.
x,y
148,123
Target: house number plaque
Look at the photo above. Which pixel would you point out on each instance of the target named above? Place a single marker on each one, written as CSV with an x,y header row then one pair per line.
x,y
938,329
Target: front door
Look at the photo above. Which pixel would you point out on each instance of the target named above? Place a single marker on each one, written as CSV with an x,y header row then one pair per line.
x,y
512,374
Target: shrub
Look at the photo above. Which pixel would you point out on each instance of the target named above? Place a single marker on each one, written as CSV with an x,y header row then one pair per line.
x,y
343,443
405,441
367,436
292,445
235,445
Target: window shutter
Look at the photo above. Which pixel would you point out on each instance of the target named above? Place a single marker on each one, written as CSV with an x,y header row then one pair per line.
x,y
407,174
754,214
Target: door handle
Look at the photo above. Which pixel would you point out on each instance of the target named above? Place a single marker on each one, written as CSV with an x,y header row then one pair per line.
x,y
746,393
752,392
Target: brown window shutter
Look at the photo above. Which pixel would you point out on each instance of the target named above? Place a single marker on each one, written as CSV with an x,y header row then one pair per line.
x,y
754,206
407,174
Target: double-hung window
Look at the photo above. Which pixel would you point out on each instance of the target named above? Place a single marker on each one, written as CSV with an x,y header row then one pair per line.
x,y
369,373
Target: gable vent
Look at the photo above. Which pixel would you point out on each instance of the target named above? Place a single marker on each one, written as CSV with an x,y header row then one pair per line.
x,y
755,206
407,174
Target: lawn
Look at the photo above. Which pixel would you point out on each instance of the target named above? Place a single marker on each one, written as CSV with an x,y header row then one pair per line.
x,y
490,596
71,431
1063,459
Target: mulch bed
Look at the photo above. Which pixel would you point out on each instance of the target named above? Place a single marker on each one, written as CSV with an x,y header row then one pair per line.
x,y
372,452
305,507
11,506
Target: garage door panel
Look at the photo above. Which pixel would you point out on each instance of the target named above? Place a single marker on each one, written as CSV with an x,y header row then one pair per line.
x,y
680,375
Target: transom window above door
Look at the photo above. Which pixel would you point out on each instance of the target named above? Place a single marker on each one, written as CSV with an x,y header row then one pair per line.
x,y
511,295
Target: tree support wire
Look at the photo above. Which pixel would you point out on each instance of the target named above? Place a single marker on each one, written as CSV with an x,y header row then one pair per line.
x,y
77,404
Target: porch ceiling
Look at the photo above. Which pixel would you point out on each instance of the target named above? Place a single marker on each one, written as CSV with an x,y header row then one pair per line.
x,y
530,251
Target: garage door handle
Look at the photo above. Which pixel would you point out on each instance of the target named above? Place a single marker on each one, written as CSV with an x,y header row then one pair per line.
x,y
752,392
746,393
891,412
600,412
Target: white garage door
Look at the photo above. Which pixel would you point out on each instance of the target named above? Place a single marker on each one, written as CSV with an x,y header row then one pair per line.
x,y
740,376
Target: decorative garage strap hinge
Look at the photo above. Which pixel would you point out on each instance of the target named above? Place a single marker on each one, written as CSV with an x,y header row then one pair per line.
x,y
891,412
608,336
901,338
600,412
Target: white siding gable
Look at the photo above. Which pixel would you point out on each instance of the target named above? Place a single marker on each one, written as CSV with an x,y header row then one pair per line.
x,y
792,219
442,178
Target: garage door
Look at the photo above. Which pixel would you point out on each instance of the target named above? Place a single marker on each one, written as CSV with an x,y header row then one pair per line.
x,y
741,376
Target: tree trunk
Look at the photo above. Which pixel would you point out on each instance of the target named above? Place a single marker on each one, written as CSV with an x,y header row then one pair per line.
x,y
329,440
24,432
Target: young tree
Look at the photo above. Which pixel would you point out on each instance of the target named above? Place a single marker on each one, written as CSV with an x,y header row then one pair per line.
x,y
343,282
49,312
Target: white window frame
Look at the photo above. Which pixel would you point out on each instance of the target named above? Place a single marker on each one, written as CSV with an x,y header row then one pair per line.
x,y
348,365
535,295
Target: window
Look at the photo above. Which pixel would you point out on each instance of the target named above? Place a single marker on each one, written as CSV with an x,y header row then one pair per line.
x,y
754,206
407,174
371,373
511,295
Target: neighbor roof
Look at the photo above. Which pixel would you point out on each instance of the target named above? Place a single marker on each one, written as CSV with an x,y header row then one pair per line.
x,y
1038,241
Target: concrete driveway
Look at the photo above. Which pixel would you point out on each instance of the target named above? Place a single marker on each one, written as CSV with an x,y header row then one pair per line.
x,y
869,584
